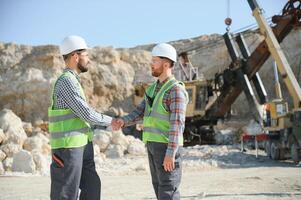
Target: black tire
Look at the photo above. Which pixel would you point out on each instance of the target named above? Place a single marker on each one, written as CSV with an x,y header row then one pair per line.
x,y
295,153
275,151
294,149
268,148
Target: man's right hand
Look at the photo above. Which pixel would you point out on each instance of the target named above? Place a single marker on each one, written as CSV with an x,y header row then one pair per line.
x,y
117,124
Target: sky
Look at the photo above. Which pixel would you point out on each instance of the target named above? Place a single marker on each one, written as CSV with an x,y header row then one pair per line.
x,y
123,23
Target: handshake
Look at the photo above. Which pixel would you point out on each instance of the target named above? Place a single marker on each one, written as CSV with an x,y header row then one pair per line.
x,y
117,123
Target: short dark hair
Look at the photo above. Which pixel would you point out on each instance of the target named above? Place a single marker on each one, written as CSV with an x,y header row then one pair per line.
x,y
168,60
66,57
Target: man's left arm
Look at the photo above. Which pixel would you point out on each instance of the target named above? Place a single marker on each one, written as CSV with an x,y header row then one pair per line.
x,y
178,102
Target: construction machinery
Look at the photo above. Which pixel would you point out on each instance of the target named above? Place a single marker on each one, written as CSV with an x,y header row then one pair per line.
x,y
211,100
284,125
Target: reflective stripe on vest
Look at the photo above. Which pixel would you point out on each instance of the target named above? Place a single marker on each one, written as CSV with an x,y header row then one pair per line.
x,y
156,130
61,117
65,128
68,133
159,116
156,119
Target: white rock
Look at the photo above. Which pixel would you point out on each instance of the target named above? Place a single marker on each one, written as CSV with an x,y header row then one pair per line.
x,y
119,138
39,142
141,167
41,124
226,136
102,155
115,151
109,134
46,149
96,150
42,162
32,143
99,160
2,136
38,122
7,164
136,147
2,155
28,128
36,130
12,127
23,162
10,149
102,139
130,138
1,169
43,138
101,132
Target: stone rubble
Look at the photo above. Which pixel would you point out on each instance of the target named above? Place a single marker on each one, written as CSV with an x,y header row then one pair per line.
x,y
33,156
12,127
114,152
23,162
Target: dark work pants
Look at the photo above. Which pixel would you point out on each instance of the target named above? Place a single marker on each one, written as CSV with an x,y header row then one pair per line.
x,y
166,184
71,169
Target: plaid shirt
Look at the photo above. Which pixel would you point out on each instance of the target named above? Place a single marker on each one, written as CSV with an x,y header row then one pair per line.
x,y
68,96
174,101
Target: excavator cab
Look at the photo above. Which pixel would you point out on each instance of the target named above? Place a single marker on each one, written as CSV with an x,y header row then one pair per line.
x,y
274,115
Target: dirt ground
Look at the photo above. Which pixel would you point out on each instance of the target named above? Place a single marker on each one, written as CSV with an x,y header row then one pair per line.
x,y
209,172
265,181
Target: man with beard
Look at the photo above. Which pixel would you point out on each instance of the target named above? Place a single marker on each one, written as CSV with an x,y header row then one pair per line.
x,y
163,112
70,120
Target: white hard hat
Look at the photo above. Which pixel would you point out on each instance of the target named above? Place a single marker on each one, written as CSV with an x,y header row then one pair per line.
x,y
72,43
165,50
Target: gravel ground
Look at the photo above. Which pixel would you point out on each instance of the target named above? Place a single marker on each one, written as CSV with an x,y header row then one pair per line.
x,y
210,172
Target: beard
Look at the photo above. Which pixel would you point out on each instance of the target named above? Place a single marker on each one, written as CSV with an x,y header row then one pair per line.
x,y
82,67
157,72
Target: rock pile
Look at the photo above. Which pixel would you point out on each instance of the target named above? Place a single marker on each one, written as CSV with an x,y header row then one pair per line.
x,y
13,138
25,147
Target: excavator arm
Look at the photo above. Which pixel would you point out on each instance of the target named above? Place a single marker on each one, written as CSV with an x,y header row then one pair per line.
x,y
284,24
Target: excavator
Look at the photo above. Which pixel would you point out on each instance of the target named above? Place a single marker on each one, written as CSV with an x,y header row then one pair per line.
x,y
283,125
211,100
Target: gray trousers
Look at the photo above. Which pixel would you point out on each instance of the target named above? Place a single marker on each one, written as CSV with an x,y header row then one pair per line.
x,y
71,169
166,184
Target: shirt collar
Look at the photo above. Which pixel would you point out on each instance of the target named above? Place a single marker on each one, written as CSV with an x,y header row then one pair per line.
x,y
167,79
67,69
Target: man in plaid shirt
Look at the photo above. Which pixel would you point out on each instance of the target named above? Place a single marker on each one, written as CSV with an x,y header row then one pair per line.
x,y
163,112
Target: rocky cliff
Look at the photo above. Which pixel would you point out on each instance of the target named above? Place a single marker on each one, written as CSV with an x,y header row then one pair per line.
x,y
28,72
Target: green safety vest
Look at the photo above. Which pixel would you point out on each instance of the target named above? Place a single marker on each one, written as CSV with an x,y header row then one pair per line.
x,y
66,129
156,123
